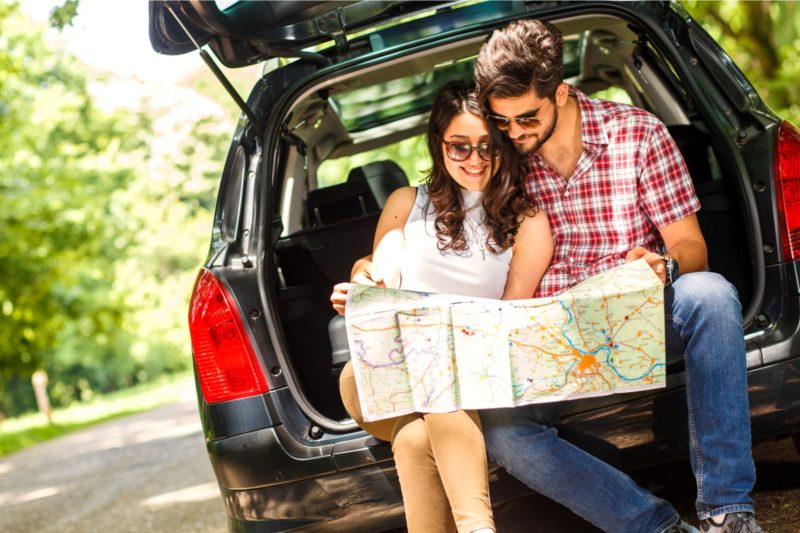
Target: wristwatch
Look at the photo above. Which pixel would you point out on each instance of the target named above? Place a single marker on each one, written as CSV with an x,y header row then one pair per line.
x,y
673,270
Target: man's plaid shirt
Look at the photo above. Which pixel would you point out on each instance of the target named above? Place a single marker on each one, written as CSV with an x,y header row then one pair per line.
x,y
629,180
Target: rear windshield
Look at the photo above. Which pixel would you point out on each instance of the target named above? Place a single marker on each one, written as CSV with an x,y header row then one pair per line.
x,y
411,154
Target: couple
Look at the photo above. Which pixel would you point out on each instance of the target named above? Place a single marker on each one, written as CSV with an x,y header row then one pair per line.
x,y
603,183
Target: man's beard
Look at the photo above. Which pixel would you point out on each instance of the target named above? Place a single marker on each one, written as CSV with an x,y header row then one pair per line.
x,y
541,139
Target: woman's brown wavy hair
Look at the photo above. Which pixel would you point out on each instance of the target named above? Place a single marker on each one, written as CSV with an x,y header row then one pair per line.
x,y
504,199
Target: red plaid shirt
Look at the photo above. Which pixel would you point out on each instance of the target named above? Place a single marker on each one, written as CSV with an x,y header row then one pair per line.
x,y
629,181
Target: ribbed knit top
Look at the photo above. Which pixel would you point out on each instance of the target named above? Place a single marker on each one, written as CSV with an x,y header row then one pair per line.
x,y
474,272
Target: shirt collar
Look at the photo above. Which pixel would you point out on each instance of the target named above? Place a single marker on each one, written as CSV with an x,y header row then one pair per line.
x,y
593,131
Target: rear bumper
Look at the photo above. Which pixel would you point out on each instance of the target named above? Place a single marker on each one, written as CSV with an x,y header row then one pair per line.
x,y
274,477
365,499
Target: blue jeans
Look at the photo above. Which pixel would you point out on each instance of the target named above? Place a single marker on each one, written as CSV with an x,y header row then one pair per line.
x,y
703,318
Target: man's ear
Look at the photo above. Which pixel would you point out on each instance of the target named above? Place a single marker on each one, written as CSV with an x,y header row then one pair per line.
x,y
562,93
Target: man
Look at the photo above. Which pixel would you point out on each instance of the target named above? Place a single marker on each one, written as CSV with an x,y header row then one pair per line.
x,y
616,189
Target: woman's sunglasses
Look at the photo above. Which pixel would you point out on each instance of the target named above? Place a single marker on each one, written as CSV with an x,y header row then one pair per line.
x,y
461,151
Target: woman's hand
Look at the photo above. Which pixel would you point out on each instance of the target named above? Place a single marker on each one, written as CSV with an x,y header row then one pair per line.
x,y
339,296
364,273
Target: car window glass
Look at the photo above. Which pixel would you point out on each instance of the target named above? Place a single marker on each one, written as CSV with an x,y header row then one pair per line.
x,y
411,154
615,94
368,107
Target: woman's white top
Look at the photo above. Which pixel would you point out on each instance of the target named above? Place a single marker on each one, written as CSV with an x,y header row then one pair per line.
x,y
476,271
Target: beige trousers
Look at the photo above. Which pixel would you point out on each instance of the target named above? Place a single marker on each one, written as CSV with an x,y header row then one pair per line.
x,y
441,463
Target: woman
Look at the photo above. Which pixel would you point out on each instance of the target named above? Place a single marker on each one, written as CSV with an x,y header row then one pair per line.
x,y
469,230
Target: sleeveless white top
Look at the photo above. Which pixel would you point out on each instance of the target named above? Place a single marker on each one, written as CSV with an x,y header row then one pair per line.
x,y
476,272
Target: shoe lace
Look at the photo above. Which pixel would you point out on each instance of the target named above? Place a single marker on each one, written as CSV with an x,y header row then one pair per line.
x,y
737,523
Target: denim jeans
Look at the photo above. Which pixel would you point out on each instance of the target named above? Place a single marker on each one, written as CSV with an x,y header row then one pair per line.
x,y
703,319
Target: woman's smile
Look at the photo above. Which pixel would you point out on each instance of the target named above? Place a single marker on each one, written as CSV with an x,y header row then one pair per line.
x,y
473,173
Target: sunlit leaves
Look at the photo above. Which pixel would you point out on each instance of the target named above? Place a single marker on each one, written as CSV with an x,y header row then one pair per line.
x,y
63,163
763,39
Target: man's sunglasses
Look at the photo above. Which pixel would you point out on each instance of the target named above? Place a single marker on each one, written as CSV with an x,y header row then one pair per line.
x,y
461,151
503,123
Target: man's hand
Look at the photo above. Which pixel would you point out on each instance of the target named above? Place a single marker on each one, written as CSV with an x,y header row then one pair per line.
x,y
364,273
653,259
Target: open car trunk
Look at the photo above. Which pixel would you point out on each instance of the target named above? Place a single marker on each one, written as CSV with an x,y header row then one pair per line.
x,y
326,227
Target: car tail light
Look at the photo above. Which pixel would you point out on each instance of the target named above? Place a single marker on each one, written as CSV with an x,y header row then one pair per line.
x,y
787,184
227,366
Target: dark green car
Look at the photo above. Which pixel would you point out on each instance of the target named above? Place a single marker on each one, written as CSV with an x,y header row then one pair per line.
x,y
347,83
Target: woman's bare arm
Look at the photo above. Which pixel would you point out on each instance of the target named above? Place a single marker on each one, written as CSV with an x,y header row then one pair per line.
x,y
387,248
533,250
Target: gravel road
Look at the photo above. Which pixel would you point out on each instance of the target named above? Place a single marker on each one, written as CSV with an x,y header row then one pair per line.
x,y
149,472
145,472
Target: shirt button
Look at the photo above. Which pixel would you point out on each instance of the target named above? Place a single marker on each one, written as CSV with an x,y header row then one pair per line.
x,y
566,193
571,259
574,228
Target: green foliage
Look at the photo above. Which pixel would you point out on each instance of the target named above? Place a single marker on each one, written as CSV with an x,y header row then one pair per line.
x,y
105,221
62,162
62,16
763,39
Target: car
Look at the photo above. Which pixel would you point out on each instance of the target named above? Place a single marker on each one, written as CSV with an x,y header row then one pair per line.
x,y
345,84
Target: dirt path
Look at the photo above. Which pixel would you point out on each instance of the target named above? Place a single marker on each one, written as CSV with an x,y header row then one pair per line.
x,y
145,472
776,494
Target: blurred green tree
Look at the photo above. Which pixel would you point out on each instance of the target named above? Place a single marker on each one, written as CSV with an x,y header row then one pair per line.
x,y
63,14
105,219
763,39
63,163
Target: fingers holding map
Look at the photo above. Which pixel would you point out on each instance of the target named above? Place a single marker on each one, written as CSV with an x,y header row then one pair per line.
x,y
437,353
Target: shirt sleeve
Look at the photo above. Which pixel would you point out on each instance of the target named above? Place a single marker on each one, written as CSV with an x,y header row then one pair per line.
x,y
665,186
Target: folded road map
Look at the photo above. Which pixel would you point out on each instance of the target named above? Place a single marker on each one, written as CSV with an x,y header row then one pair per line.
x,y
433,353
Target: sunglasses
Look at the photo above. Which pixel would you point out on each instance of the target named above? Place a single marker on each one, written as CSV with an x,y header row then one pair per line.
x,y
503,123
462,151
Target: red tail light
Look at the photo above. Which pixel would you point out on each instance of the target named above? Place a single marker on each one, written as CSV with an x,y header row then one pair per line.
x,y
226,362
787,185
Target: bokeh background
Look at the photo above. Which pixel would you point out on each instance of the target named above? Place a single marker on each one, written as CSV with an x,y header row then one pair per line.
x,y
110,157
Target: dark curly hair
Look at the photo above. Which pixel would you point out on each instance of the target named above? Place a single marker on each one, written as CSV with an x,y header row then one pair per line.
x,y
504,199
526,54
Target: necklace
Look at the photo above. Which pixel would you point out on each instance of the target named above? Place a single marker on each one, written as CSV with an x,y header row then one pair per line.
x,y
476,238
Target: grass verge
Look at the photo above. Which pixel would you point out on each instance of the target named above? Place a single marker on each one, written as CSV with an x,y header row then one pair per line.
x,y
21,432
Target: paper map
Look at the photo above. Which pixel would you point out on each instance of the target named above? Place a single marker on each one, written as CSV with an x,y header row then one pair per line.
x,y
422,352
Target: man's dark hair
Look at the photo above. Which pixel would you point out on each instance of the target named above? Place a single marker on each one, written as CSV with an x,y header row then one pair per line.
x,y
526,54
